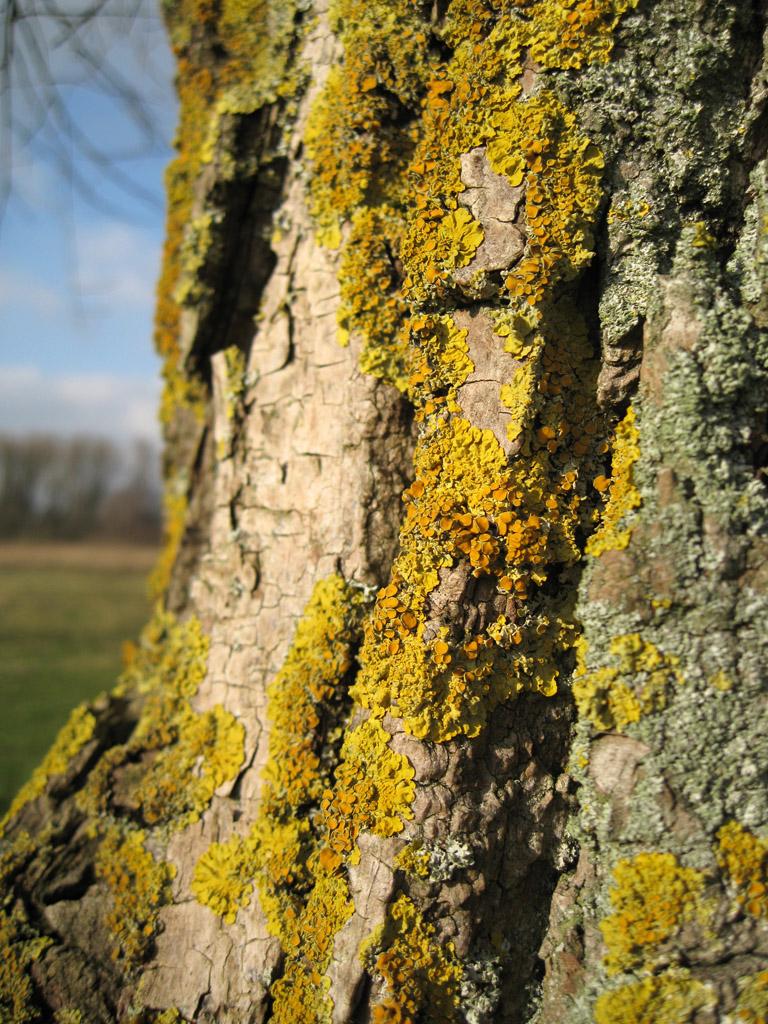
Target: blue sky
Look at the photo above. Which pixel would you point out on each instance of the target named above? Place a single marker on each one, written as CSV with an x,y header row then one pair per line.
x,y
77,277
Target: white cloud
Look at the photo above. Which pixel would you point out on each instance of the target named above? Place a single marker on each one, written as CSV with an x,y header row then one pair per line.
x,y
118,266
121,408
18,289
115,266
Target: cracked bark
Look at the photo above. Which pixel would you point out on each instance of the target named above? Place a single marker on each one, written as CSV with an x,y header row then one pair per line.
x,y
305,480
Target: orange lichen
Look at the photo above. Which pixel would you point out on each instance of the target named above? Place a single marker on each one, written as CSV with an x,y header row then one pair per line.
x,y
744,859
422,976
373,790
467,506
623,496
311,946
653,899
672,998
138,885
752,1004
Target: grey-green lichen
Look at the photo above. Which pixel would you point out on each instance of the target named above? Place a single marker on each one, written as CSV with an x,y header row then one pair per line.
x,y
684,269
645,110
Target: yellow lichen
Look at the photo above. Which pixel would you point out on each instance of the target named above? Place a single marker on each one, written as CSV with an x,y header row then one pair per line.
x,y
468,506
744,859
458,236
195,755
70,740
386,137
537,141
21,943
222,879
305,902
373,790
414,859
234,359
233,58
398,186
143,1015
721,680
422,975
654,897
406,174
138,885
614,696
68,1016
301,994
752,1004
175,759
170,658
672,998
174,522
21,947
623,496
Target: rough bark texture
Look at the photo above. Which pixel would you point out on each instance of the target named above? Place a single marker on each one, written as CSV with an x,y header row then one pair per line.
x,y
453,707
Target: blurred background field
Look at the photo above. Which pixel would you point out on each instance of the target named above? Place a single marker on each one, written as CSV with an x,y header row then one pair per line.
x,y
65,611
89,114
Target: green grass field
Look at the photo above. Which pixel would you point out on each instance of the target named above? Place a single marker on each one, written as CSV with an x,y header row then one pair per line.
x,y
63,620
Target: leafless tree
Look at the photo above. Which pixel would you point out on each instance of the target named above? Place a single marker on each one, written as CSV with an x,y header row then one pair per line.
x,y
57,59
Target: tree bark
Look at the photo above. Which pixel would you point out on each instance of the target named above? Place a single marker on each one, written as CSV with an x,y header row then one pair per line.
x,y
453,704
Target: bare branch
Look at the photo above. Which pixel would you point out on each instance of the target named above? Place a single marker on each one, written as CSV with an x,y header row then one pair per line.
x,y
53,55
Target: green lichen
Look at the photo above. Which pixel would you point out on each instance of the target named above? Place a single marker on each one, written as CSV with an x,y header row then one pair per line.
x,y
684,580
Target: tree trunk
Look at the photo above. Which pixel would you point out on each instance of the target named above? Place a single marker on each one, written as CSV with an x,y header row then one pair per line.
x,y
453,705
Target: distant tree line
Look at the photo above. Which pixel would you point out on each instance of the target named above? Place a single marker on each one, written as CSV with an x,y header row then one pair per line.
x,y
54,488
